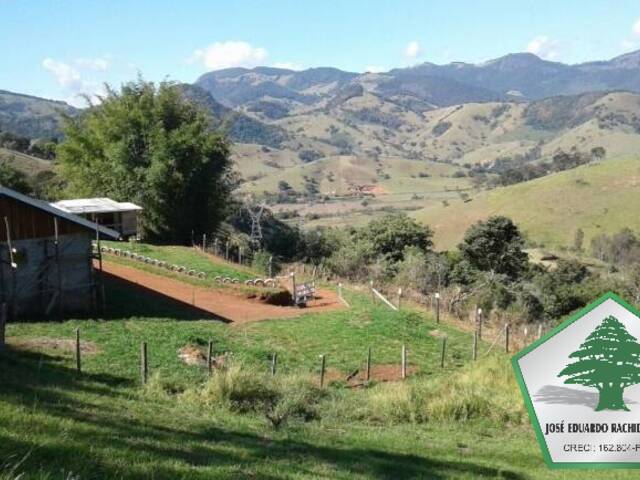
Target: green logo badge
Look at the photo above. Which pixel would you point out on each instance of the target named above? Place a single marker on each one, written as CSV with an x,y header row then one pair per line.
x,y
581,386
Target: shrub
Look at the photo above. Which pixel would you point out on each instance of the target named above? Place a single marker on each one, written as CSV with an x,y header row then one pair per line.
x,y
241,389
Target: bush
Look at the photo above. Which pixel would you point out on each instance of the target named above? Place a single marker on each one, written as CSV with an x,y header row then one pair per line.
x,y
279,398
486,390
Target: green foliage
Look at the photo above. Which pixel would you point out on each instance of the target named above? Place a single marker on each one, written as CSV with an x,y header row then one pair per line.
x,y
495,246
146,144
14,179
423,271
390,235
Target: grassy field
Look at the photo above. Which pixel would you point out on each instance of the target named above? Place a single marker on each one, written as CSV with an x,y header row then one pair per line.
x,y
25,163
188,257
105,425
596,198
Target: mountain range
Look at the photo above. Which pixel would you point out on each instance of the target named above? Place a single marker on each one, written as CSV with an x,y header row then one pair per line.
x,y
411,136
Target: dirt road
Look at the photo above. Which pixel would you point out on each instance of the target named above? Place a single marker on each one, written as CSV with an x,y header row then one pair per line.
x,y
231,307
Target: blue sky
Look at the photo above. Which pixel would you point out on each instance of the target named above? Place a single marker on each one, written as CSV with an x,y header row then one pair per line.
x,y
58,49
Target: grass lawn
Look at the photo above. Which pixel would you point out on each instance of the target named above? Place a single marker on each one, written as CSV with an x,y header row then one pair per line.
x,y
104,425
184,256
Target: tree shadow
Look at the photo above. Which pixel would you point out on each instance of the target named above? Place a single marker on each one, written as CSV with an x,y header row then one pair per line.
x,y
129,299
554,394
100,442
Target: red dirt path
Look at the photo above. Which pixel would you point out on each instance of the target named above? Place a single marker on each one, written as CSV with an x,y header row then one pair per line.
x,y
233,308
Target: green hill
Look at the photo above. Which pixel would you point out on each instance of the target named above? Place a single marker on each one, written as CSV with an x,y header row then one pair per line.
x,y
599,198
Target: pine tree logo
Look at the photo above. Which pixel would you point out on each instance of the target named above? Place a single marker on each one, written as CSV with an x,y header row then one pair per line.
x,y
609,360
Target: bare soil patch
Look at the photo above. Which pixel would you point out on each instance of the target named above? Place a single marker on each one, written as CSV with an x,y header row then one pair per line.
x,y
232,307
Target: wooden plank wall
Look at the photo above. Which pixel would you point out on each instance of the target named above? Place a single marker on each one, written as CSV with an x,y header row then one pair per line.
x,y
27,222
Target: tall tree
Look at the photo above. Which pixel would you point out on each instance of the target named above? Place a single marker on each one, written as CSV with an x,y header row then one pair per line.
x,y
609,360
148,145
495,246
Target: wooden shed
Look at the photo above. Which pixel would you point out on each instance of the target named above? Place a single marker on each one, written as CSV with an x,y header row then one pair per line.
x,y
46,259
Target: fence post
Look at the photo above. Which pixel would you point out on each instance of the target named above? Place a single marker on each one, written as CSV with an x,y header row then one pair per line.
x,y
215,246
474,351
226,252
144,366
399,297
444,346
3,324
437,307
240,255
539,331
293,285
322,368
204,242
506,337
479,322
78,359
210,357
274,362
368,372
271,266
404,362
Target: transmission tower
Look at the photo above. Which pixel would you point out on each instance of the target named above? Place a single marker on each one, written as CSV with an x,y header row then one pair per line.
x,y
255,214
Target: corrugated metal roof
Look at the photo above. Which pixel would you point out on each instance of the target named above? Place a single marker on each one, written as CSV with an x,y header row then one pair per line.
x,y
95,205
49,208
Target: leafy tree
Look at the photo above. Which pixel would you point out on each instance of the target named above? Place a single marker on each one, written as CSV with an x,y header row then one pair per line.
x,y
609,360
598,153
148,145
391,234
495,246
14,179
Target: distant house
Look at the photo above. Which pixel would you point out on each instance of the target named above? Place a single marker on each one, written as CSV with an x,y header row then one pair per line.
x,y
120,216
46,259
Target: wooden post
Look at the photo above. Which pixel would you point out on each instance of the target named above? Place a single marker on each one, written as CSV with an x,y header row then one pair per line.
x,y
368,373
215,247
322,369
3,323
474,350
271,266
506,337
293,286
78,359
144,365
479,322
399,297
210,357
240,255
226,252
437,307
404,362
274,363
204,242
442,351
539,331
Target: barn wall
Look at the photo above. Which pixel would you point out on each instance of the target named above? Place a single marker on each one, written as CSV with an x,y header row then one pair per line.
x,y
26,221
33,287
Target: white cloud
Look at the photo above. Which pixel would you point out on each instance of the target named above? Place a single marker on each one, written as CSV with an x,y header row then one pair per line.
x,y
229,54
636,28
413,49
70,78
99,64
288,65
374,69
66,75
544,47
